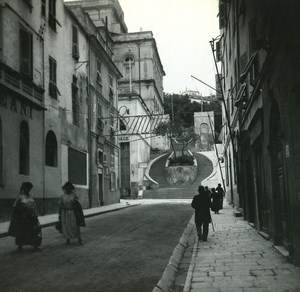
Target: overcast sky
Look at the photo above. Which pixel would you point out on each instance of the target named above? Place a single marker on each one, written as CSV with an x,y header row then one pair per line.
x,y
182,29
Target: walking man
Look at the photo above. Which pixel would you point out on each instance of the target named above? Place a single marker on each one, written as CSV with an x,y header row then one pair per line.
x,y
202,203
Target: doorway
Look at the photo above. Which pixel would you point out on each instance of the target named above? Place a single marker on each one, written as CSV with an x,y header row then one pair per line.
x,y
263,206
279,191
125,168
101,199
250,191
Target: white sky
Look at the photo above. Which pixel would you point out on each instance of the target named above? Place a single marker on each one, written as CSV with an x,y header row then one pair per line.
x,y
182,30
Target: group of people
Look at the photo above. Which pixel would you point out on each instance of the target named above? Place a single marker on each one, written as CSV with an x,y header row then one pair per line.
x,y
203,202
216,194
25,226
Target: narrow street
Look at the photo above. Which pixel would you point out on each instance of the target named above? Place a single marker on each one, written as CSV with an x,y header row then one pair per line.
x,y
126,250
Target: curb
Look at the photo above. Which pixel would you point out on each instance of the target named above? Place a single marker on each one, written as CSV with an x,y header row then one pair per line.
x,y
188,281
52,223
169,274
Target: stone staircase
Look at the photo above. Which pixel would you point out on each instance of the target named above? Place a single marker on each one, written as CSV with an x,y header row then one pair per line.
x,y
157,171
166,191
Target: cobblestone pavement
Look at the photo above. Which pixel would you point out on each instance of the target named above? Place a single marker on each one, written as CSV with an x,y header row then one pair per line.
x,y
237,258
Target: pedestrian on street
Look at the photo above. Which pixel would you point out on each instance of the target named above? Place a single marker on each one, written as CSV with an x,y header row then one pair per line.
x,y
202,203
221,193
217,201
70,213
24,224
208,191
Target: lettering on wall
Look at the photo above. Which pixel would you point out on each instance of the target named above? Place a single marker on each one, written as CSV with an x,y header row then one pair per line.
x,y
15,105
124,138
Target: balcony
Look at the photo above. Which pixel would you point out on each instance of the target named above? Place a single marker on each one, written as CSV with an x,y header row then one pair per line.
x,y
18,84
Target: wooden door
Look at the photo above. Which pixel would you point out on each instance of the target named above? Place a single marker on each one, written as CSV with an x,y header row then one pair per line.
x,y
263,207
125,168
282,198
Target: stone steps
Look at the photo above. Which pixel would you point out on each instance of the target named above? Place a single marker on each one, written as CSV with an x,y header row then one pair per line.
x,y
167,191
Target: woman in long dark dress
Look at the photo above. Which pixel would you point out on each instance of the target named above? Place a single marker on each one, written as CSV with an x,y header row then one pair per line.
x,y
24,225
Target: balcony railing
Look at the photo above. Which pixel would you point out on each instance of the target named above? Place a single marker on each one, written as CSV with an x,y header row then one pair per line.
x,y
14,81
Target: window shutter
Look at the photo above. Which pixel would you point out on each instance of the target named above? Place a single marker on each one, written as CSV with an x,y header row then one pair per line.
x,y
75,49
52,14
54,72
222,14
25,52
99,71
219,51
43,8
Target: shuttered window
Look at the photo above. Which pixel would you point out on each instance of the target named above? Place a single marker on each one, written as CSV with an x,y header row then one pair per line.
x,y
52,14
25,52
75,102
43,8
75,47
52,78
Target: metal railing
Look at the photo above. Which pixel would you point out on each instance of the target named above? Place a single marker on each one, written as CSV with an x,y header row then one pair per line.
x,y
16,84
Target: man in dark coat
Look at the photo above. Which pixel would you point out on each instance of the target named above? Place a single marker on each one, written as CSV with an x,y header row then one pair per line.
x,y
202,203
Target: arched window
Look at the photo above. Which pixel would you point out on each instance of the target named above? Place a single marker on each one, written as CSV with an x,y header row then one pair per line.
x,y
51,149
1,154
204,133
24,149
128,66
129,59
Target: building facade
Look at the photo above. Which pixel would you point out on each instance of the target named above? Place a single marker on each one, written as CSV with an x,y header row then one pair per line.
x,y
57,82
259,66
103,103
141,92
205,129
22,107
140,89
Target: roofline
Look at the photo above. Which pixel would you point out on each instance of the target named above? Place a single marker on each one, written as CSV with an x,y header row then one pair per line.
x,y
138,40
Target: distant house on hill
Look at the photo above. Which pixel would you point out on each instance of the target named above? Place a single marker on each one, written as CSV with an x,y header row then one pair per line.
x,y
198,97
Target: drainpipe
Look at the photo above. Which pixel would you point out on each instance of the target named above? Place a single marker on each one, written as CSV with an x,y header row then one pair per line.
x,y
43,143
140,91
89,127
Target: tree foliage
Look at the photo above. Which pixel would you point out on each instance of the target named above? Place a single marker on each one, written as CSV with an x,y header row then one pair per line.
x,y
175,130
184,109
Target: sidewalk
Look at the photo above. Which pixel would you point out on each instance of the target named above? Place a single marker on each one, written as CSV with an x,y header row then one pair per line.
x,y
237,258
49,220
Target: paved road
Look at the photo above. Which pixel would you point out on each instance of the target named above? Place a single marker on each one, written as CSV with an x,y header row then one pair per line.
x,y
126,250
